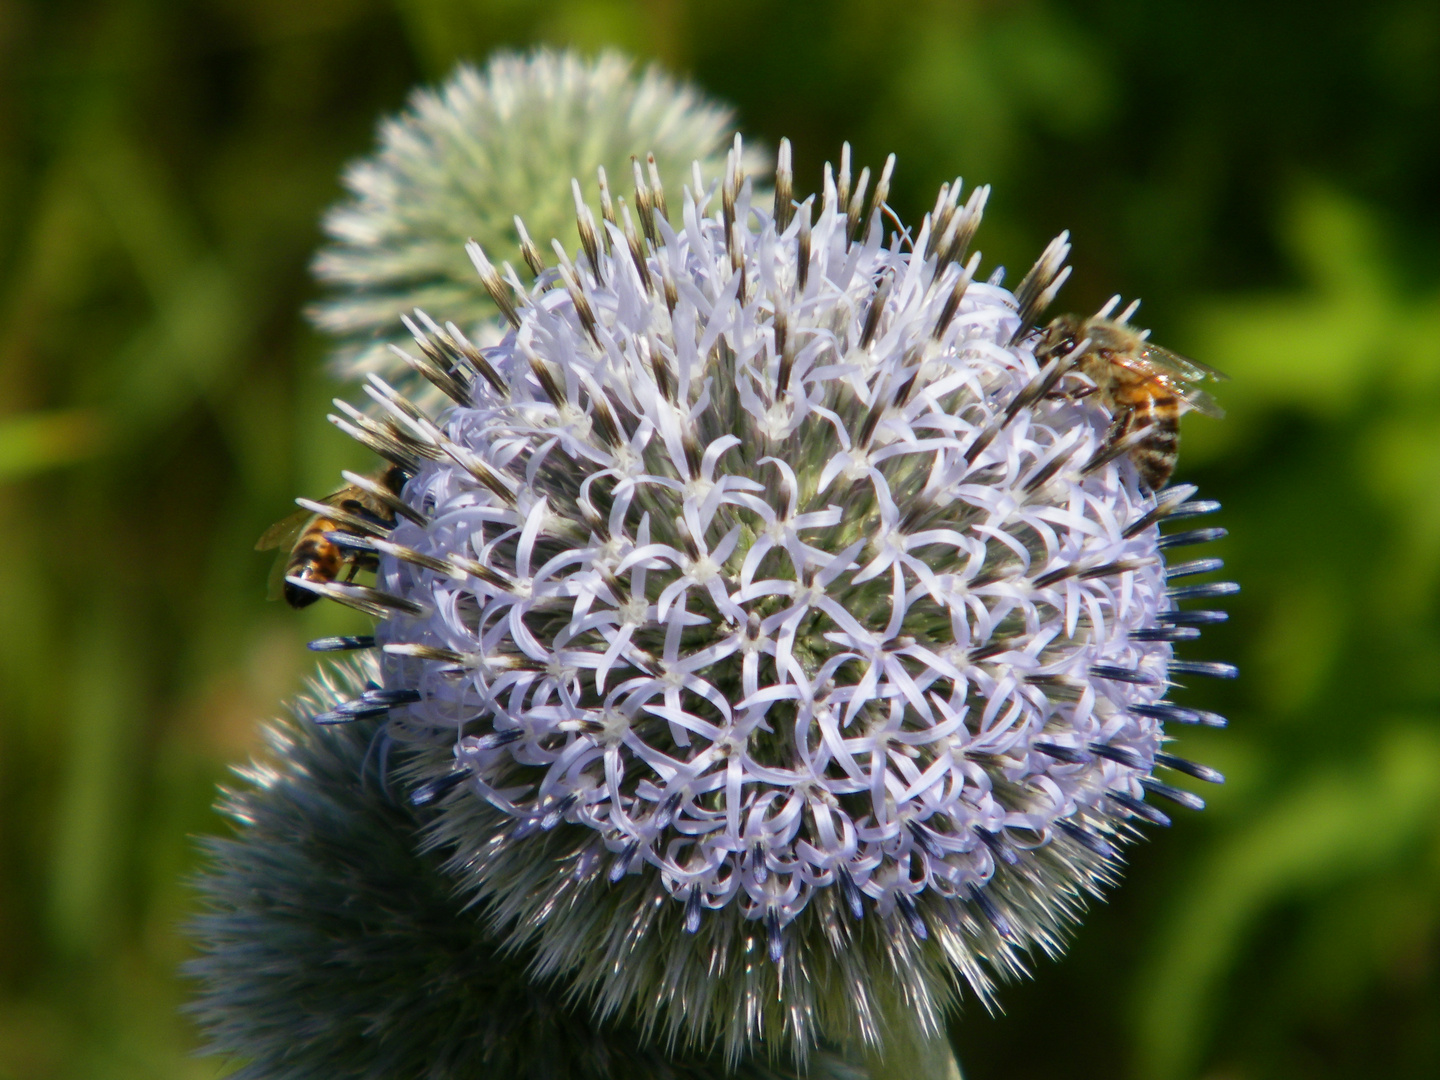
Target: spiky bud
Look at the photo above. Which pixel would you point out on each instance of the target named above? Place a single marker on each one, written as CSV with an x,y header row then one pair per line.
x,y
783,635
489,156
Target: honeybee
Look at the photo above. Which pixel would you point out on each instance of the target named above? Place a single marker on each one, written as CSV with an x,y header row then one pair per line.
x,y
313,556
1141,384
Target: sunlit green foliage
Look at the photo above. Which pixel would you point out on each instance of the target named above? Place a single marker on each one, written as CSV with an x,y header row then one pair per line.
x,y
1262,174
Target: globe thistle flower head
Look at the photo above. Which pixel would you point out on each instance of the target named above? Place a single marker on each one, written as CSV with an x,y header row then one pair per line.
x,y
786,636
463,160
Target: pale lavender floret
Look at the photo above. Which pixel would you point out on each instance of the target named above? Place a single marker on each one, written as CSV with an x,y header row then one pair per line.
x,y
761,639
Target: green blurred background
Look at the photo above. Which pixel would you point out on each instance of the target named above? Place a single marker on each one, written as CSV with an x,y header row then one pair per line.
x,y
1264,174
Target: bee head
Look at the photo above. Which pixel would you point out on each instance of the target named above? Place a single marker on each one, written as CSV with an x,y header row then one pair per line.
x,y
1059,338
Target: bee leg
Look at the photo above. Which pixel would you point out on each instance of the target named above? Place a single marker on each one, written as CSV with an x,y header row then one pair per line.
x,y
362,562
1119,428
1071,395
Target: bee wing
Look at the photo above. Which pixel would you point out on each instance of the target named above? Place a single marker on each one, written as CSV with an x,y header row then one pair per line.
x,y
284,532
287,530
1203,403
1181,367
275,583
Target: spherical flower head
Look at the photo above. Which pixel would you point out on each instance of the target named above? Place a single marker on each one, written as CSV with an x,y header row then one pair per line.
x,y
465,159
331,947
786,637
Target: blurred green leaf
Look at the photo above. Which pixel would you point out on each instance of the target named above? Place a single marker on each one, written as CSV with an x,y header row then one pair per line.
x,y
197,331
1353,331
1323,832
972,81
95,802
1298,644
33,442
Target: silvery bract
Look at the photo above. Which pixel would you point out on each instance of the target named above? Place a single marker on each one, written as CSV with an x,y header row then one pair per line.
x,y
463,160
782,639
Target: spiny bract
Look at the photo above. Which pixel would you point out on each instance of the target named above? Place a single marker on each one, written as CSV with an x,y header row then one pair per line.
x,y
785,637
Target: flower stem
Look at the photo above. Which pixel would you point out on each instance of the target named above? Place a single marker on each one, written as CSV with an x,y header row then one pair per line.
x,y
933,1059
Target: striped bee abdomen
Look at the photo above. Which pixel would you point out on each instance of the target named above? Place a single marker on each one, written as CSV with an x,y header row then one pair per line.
x,y
1155,455
315,558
